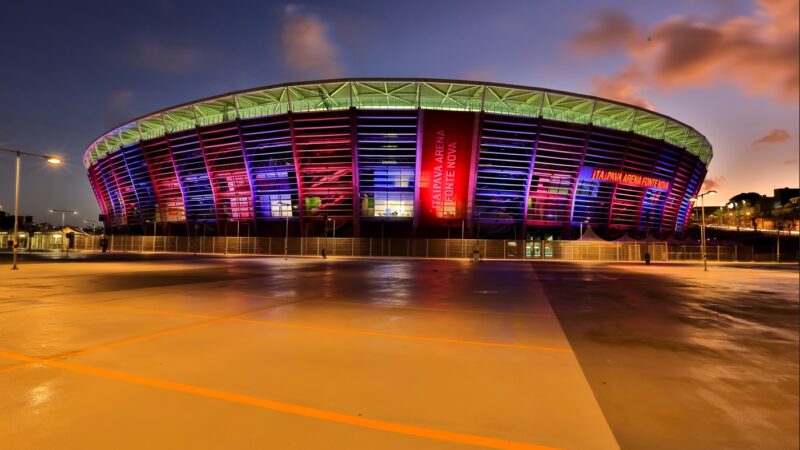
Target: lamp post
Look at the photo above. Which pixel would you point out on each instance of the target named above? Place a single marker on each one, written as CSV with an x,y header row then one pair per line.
x,y
50,160
286,236
703,225
93,224
325,224
63,235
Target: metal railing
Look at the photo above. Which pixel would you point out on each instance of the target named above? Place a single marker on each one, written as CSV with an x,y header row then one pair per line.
x,y
406,248
396,247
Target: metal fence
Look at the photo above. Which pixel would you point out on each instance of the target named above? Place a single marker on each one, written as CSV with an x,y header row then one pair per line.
x,y
418,248
415,248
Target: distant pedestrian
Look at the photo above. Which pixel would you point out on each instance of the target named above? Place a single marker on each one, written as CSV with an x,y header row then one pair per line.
x,y
324,256
647,257
104,244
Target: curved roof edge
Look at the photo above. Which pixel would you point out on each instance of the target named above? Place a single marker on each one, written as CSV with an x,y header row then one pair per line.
x,y
403,93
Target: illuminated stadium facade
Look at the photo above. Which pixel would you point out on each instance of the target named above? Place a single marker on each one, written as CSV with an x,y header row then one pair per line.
x,y
415,156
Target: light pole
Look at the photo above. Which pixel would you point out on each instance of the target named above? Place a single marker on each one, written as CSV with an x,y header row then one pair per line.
x,y
325,223
286,237
93,231
93,224
63,235
703,225
50,160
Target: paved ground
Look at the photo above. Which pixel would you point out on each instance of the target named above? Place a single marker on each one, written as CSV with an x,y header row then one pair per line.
x,y
177,352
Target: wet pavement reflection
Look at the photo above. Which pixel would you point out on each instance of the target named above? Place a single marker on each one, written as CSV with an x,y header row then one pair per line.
x,y
660,356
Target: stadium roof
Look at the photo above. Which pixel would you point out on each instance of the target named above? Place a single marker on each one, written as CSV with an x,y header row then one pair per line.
x,y
377,93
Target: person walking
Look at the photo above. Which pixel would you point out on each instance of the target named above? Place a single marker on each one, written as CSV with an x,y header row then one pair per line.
x,y
324,256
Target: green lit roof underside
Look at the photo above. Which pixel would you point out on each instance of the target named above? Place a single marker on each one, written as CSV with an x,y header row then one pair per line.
x,y
404,94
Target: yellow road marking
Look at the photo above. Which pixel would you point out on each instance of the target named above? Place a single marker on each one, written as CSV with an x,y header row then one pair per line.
x,y
299,410
339,330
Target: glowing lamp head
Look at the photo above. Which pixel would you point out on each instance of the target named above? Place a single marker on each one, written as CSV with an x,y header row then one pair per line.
x,y
54,160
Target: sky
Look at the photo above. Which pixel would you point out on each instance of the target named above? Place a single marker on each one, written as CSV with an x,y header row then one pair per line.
x,y
70,71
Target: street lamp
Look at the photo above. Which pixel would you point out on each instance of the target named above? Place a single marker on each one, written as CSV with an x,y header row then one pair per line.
x,y
50,160
93,224
703,225
286,237
63,214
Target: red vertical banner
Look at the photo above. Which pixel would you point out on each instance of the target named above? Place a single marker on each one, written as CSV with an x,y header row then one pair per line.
x,y
446,160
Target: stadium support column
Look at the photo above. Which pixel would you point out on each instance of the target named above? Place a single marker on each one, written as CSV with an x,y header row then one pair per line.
x,y
531,167
417,172
473,169
301,210
202,146
625,152
574,188
356,174
246,161
178,179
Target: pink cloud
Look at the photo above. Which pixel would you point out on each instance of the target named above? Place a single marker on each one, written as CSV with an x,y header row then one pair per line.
x,y
623,86
792,162
712,183
308,49
773,137
758,53
610,30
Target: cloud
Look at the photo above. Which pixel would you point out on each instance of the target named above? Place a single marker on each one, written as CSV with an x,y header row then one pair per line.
x,y
792,162
609,31
623,87
163,58
758,53
308,49
773,137
712,183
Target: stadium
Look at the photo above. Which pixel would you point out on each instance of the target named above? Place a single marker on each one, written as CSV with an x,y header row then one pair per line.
x,y
405,157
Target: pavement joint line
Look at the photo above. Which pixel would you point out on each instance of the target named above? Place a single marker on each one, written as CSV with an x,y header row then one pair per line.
x,y
340,330
288,408
14,367
448,310
148,336
145,337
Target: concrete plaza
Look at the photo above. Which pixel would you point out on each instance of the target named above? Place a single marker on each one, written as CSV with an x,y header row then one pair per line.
x,y
165,352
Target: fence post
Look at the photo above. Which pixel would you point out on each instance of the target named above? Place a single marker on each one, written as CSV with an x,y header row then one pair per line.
x,y
426,248
736,252
717,252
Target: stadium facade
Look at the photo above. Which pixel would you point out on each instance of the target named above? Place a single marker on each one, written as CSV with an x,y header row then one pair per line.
x,y
417,155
